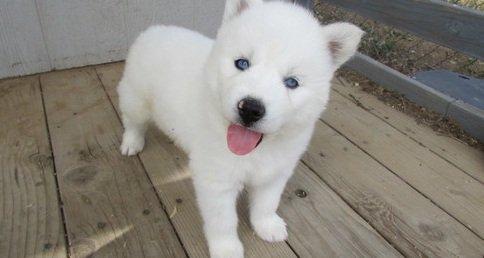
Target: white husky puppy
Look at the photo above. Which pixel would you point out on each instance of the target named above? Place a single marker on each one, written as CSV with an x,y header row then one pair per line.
x,y
243,106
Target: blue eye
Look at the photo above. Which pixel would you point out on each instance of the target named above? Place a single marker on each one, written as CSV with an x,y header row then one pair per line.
x,y
291,83
242,64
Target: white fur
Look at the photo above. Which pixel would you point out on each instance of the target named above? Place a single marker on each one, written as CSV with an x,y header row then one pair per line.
x,y
188,85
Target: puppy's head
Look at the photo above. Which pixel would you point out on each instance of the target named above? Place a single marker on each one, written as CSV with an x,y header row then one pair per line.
x,y
271,67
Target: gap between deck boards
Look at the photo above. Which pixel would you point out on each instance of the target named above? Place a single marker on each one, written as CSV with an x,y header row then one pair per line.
x,y
448,187
371,214
457,222
110,78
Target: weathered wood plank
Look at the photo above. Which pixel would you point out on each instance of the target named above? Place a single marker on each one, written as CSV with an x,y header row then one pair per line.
x,y
450,188
313,231
168,170
110,207
22,48
30,217
321,224
411,222
461,155
446,24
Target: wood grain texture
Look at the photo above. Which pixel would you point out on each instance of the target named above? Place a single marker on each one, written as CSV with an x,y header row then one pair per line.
x,y
22,49
30,218
411,222
446,24
168,169
110,207
453,190
321,224
112,210
458,153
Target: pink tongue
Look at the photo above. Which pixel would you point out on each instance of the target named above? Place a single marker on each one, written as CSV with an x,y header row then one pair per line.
x,y
241,140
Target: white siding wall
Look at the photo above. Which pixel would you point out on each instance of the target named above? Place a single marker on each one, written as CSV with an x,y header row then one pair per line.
x,y
43,35
22,46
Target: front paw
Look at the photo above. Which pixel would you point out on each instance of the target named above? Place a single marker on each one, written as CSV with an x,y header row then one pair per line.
x,y
270,228
132,143
226,248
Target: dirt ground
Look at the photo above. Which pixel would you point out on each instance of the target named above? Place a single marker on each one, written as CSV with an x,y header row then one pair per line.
x,y
407,54
400,50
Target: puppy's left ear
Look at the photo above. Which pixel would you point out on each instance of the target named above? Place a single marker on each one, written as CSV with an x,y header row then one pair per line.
x,y
234,8
342,40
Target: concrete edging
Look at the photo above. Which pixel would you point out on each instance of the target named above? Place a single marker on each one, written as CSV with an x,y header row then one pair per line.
x,y
469,117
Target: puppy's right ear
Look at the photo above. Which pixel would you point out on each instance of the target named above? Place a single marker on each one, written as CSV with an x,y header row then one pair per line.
x,y
233,8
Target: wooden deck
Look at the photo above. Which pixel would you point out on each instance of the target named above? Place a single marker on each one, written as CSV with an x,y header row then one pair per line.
x,y
374,183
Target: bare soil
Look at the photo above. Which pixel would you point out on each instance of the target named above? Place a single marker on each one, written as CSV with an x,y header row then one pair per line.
x,y
400,50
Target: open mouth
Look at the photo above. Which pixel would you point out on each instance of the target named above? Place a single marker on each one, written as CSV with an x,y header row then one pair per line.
x,y
241,140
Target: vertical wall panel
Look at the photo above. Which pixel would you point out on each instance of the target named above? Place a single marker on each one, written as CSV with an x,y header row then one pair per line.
x,y
22,49
200,15
90,32
83,32
40,35
208,16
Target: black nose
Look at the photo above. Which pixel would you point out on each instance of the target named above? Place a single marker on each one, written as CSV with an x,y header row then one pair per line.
x,y
250,110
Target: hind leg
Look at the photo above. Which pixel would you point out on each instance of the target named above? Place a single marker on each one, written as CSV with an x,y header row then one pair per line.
x,y
135,115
